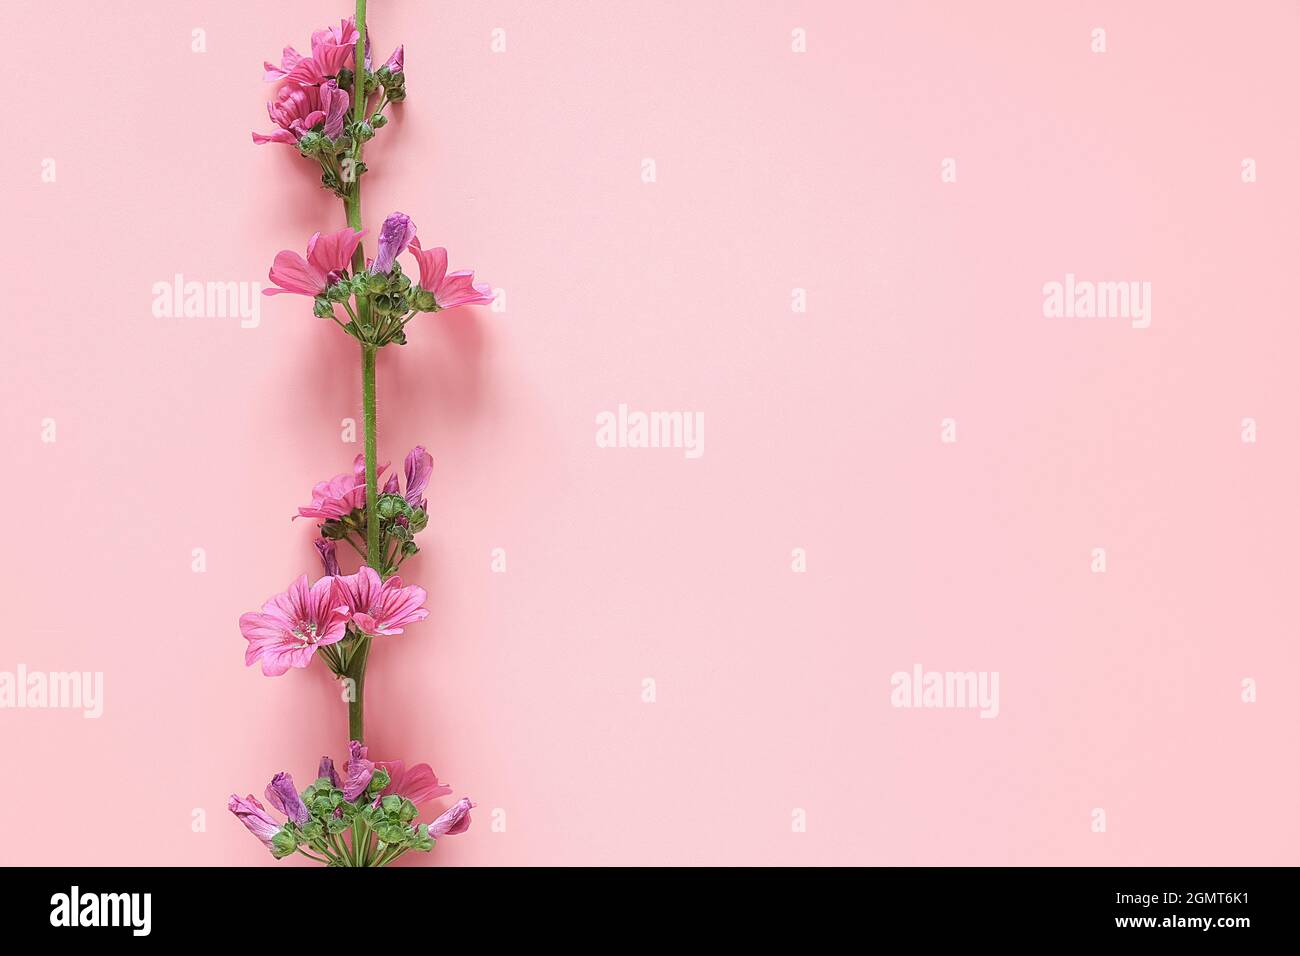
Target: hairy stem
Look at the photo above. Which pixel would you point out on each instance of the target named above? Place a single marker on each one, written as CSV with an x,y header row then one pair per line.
x,y
352,205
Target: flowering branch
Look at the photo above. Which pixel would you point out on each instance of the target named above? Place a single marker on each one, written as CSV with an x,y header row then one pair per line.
x,y
323,108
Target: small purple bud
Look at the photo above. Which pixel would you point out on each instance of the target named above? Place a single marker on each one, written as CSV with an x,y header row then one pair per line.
x,y
360,770
419,466
328,772
453,820
328,556
283,795
394,236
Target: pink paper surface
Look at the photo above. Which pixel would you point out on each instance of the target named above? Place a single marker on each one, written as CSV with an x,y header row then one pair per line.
x,y
772,737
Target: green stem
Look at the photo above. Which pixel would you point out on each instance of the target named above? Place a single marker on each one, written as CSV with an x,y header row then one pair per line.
x,y
368,409
352,205
359,101
360,844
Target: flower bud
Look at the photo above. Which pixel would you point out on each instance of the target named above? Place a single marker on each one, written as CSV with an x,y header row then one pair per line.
x,y
310,143
283,843
425,302
322,308
379,121
332,530
365,132
391,506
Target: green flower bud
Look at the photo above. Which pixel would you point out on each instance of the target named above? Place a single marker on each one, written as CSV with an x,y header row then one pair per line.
x,y
376,283
283,843
332,530
344,79
339,292
365,132
419,520
322,309
379,121
310,143
390,506
378,781
409,548
425,302
383,74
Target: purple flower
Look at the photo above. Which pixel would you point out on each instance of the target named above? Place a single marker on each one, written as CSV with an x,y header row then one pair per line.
x,y
328,556
359,769
283,795
394,236
419,466
254,816
394,62
453,820
327,771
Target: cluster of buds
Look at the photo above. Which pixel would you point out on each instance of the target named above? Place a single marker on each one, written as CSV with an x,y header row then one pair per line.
x,y
365,818
330,277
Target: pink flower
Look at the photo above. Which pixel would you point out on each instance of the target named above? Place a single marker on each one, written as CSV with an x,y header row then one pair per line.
x,y
297,109
342,494
452,290
292,625
394,62
453,820
358,769
331,50
418,467
419,784
254,816
327,256
381,607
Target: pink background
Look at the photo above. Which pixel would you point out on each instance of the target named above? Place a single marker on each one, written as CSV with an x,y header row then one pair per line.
x,y
776,170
